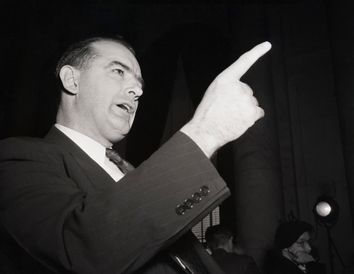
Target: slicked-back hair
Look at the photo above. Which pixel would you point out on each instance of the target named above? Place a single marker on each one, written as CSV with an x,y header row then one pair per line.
x,y
79,54
217,236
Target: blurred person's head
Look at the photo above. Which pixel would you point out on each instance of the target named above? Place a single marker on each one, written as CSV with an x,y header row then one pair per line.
x,y
292,240
219,237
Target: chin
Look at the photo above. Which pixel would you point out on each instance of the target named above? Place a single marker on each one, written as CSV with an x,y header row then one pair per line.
x,y
118,136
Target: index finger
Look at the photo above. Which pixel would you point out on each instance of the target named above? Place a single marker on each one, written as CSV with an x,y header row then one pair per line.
x,y
245,61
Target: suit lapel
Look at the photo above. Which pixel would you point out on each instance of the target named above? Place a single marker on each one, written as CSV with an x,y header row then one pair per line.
x,y
97,175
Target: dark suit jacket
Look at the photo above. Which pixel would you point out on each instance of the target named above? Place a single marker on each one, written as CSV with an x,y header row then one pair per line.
x,y
279,265
234,263
59,210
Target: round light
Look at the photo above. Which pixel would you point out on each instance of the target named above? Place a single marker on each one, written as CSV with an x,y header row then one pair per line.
x,y
326,210
323,209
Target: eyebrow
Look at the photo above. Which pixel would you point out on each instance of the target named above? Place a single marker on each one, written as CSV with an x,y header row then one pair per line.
x,y
127,68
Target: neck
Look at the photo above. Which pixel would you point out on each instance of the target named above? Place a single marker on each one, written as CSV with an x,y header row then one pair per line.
x,y
69,123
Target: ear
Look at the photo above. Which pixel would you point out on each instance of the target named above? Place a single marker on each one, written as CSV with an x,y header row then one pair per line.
x,y
70,79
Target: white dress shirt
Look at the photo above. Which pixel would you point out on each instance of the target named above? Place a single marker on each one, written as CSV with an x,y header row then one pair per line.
x,y
95,150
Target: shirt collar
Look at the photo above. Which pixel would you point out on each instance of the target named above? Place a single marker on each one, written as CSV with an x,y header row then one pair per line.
x,y
92,148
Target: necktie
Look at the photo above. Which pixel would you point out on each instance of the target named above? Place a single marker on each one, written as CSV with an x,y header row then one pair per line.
x,y
123,165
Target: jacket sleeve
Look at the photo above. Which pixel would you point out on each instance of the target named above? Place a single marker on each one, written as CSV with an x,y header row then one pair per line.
x,y
116,229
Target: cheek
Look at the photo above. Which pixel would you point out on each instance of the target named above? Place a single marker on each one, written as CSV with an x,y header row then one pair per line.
x,y
293,248
98,96
92,102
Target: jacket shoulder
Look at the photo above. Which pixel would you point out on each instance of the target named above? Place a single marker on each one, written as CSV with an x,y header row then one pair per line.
x,y
24,147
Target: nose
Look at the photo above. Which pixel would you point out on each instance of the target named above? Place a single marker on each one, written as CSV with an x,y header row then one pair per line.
x,y
134,89
135,92
134,86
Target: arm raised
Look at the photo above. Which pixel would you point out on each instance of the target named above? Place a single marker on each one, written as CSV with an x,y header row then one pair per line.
x,y
228,107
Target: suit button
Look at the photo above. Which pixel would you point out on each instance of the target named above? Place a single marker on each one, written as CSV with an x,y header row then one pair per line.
x,y
204,191
188,204
180,210
197,197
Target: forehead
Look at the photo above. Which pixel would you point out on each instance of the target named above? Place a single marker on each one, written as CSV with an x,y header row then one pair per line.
x,y
110,51
304,236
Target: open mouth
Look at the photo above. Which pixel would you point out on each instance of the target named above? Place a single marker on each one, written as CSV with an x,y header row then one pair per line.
x,y
126,107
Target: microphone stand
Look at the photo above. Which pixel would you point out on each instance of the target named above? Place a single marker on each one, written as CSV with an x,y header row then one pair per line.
x,y
331,247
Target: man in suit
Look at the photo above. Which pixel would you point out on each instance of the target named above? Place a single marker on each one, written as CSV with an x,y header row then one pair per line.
x,y
66,207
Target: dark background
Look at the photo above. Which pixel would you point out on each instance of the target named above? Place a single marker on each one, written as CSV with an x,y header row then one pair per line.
x,y
301,149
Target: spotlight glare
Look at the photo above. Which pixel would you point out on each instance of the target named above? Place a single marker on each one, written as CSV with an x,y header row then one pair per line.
x,y
323,209
326,211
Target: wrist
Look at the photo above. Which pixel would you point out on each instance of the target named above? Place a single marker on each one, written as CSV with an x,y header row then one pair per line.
x,y
206,141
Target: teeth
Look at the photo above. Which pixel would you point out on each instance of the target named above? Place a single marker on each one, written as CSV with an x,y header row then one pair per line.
x,y
127,107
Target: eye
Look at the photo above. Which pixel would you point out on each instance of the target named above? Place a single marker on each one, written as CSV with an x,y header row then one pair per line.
x,y
118,71
302,243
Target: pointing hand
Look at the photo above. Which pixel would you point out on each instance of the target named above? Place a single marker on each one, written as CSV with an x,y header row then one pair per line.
x,y
228,107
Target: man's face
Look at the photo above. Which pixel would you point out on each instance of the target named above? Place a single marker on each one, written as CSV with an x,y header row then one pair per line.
x,y
301,248
109,88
